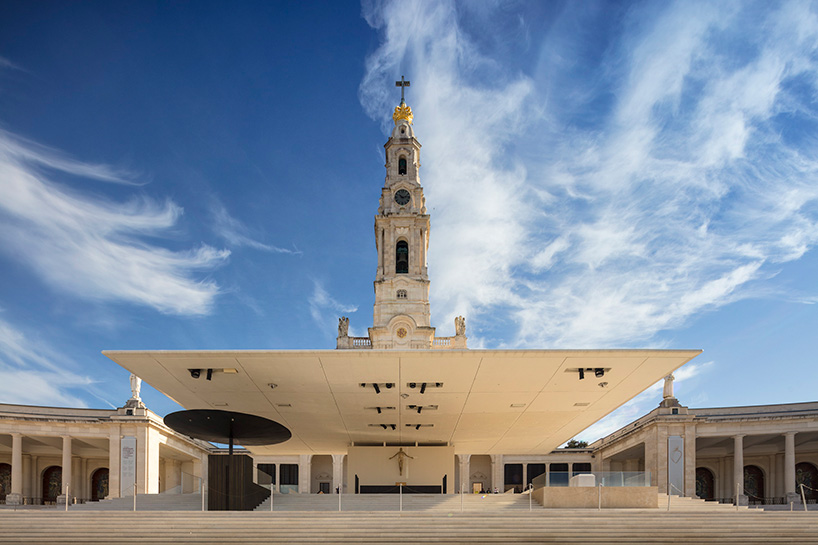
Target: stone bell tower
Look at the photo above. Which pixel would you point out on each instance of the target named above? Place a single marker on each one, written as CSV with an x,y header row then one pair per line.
x,y
401,317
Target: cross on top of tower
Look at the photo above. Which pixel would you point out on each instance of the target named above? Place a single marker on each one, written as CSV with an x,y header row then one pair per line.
x,y
402,84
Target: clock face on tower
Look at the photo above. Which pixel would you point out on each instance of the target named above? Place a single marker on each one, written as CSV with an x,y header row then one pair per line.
x,y
402,197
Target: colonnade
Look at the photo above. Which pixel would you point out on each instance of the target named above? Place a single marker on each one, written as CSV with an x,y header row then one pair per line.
x,y
77,457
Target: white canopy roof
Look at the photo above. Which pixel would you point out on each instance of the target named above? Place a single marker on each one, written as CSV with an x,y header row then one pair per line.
x,y
479,401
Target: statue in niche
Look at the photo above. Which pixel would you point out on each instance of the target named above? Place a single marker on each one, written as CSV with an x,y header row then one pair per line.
x,y
460,326
343,326
667,392
136,386
401,455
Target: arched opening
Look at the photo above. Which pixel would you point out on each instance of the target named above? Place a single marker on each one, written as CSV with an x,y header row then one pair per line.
x,y
705,483
807,474
754,483
402,257
52,484
5,481
99,484
402,165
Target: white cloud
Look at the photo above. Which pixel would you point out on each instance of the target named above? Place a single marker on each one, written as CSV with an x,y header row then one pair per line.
x,y
33,373
91,247
680,197
326,311
237,234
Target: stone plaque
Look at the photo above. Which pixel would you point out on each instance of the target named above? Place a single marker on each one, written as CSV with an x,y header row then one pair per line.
x,y
128,466
676,465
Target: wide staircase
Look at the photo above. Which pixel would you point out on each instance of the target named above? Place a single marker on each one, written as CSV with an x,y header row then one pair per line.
x,y
625,526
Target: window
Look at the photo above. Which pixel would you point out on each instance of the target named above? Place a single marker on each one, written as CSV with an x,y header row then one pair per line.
x,y
402,165
401,294
289,474
402,257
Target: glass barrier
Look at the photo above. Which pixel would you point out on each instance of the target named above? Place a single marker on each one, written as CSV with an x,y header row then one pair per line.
x,y
592,478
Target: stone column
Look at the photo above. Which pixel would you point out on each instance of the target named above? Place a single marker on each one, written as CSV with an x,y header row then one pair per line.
x,y
547,474
789,468
77,478
86,479
16,496
337,473
464,472
494,472
113,464
36,484
772,475
690,460
721,479
27,478
525,475
499,473
66,491
738,470
304,473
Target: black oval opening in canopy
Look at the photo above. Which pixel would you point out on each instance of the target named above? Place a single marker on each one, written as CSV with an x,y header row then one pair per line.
x,y
228,427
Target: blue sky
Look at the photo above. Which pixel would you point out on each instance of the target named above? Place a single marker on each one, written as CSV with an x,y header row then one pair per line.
x,y
599,174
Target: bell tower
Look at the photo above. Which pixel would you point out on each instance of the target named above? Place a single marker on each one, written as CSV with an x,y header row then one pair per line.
x,y
401,315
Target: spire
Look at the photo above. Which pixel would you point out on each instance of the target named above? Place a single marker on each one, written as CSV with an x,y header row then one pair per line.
x,y
403,111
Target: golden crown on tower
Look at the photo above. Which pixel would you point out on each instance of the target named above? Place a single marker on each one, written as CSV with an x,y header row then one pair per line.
x,y
402,112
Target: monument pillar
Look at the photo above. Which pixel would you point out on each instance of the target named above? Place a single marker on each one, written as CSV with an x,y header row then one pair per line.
x,y
16,496
464,472
789,468
494,472
738,470
66,471
113,464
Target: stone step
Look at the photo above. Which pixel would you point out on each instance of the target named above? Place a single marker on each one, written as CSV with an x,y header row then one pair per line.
x,y
544,526
697,504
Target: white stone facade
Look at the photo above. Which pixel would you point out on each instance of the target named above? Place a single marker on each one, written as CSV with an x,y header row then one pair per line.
x,y
758,453
85,446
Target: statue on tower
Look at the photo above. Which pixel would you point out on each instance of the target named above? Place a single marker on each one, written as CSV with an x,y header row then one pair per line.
x,y
667,391
343,326
460,326
136,387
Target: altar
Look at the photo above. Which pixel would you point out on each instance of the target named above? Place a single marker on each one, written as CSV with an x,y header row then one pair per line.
x,y
406,469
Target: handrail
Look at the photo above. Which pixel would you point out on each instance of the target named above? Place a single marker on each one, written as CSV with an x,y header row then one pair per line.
x,y
671,486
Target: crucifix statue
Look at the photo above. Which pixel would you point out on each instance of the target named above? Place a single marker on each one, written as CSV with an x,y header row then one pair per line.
x,y
401,455
403,84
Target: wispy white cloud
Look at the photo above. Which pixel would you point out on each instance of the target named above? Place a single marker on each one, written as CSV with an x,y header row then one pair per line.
x,y
91,247
684,194
33,373
326,310
236,234
8,65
